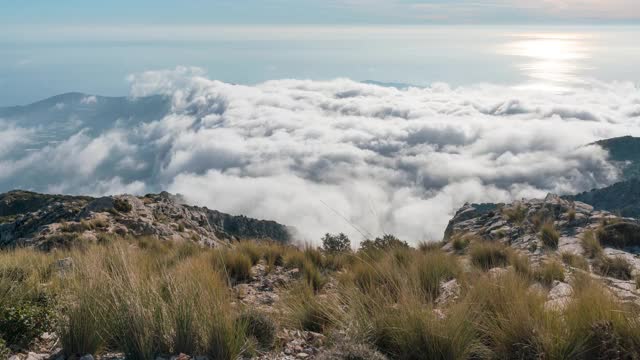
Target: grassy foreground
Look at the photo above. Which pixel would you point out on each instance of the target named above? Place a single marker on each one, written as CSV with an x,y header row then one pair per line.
x,y
143,298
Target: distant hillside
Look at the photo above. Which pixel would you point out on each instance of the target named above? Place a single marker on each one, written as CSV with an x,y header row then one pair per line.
x,y
625,151
622,198
60,116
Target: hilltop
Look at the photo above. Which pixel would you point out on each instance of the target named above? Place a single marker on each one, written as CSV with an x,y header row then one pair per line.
x,y
50,221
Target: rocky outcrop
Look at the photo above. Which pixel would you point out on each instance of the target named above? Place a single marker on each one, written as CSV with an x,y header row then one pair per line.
x,y
518,225
49,221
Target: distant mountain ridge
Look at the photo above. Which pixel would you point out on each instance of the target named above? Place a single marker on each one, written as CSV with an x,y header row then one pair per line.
x,y
62,115
622,198
48,221
625,152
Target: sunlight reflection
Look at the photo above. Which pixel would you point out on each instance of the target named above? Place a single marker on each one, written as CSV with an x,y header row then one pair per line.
x,y
552,62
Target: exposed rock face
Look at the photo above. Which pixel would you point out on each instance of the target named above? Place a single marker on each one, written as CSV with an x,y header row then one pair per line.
x,y
518,225
48,221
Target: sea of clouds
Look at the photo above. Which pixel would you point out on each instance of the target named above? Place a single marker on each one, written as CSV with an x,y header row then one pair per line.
x,y
335,156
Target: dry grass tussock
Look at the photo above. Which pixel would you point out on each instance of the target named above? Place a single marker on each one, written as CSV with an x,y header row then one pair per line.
x,y
146,298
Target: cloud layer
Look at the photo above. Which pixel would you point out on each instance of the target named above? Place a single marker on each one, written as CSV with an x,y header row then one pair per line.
x,y
328,156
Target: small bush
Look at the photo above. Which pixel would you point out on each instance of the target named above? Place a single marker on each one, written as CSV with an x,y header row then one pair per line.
x,y
122,205
336,243
591,244
550,272
5,352
620,234
571,215
617,267
575,261
488,255
260,327
22,323
386,242
549,235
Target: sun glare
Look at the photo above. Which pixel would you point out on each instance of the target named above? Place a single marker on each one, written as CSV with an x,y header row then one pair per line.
x,y
550,61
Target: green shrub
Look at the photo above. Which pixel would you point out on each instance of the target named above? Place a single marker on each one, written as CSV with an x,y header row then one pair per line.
x,y
5,352
260,327
336,243
617,267
122,205
549,235
619,234
22,323
386,242
488,255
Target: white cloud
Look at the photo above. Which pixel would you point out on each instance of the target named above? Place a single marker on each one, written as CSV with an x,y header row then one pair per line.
x,y
308,153
89,100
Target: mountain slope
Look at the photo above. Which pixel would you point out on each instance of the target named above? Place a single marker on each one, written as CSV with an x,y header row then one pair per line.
x,y
625,152
622,198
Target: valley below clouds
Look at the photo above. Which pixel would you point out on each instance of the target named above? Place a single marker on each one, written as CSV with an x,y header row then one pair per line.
x,y
321,156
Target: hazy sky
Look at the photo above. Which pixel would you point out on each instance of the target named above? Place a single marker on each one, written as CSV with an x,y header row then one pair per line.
x,y
317,11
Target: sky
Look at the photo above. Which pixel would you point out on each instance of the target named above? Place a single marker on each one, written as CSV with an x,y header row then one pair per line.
x,y
17,12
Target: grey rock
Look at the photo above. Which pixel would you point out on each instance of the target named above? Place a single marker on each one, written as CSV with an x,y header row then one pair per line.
x,y
51,221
